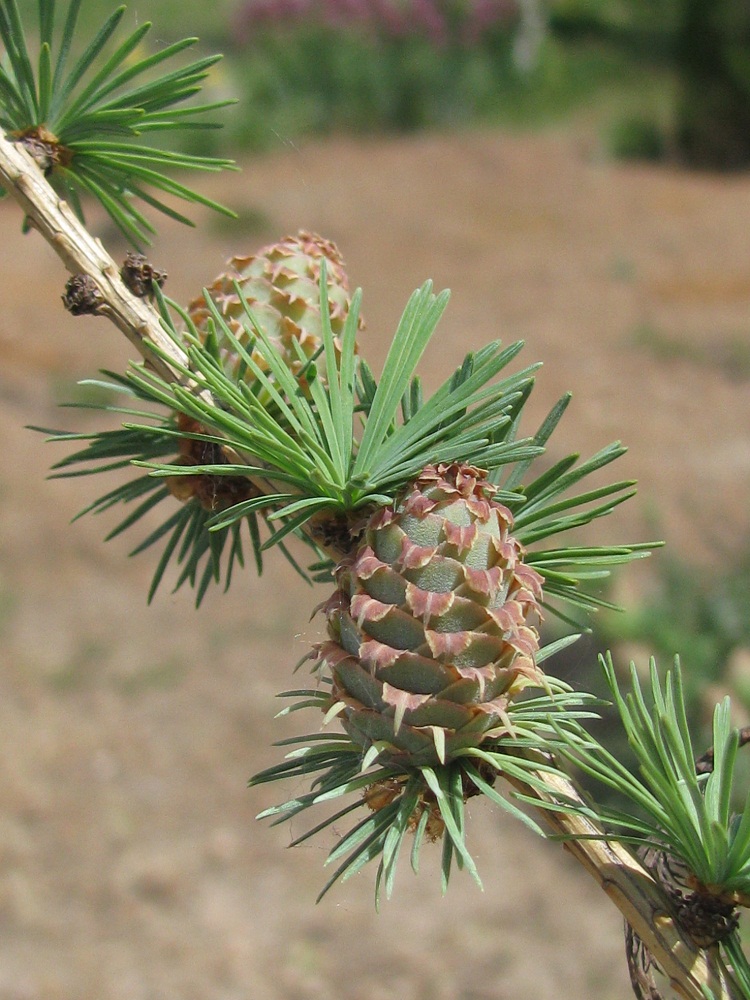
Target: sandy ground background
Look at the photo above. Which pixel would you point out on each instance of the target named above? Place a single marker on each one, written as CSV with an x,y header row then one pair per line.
x,y
131,867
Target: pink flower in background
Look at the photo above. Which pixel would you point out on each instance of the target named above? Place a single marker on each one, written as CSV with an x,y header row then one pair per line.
x,y
429,21
390,18
262,13
433,20
484,15
347,13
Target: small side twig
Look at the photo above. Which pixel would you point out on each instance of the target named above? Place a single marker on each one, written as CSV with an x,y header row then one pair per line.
x,y
82,254
705,763
645,905
640,961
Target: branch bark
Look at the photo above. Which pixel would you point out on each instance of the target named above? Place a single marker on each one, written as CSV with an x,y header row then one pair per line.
x,y
81,253
641,900
630,887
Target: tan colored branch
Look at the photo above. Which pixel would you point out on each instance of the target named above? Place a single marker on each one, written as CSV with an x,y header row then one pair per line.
x,y
82,254
626,882
639,898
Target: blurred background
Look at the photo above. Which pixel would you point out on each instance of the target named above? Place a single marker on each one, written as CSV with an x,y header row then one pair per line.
x,y
575,171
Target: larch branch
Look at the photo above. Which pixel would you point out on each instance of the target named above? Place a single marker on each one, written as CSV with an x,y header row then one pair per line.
x,y
81,253
630,887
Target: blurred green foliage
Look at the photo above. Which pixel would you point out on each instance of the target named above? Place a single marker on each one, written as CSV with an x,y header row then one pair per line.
x,y
172,19
300,67
637,137
701,614
705,44
398,65
299,75
713,61
313,82
729,355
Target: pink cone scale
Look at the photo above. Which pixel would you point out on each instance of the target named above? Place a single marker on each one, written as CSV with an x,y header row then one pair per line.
x,y
432,627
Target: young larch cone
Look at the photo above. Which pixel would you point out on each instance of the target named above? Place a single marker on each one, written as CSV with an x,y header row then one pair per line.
x,y
431,626
281,284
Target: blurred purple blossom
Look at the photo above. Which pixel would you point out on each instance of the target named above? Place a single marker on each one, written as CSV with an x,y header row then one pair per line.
x,y
429,21
390,18
485,15
437,21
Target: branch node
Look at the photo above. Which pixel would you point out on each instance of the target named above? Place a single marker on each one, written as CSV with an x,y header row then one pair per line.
x,y
43,147
82,296
140,276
